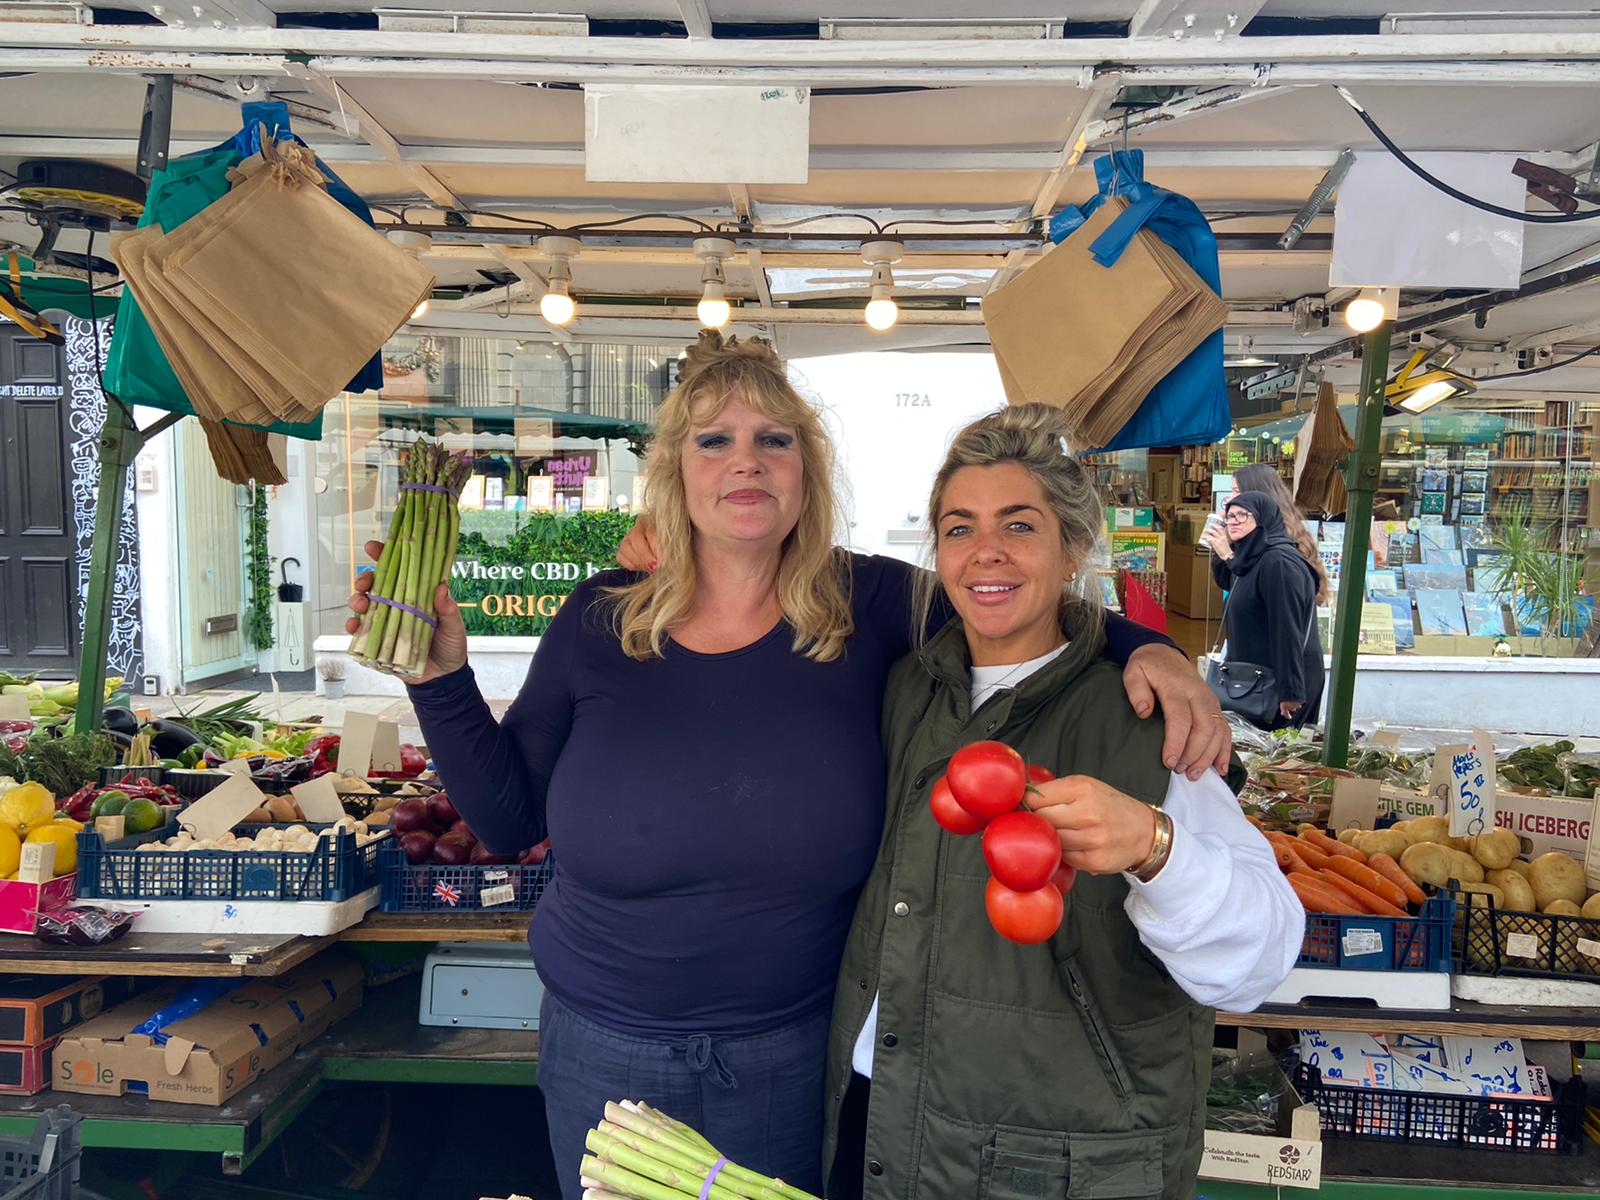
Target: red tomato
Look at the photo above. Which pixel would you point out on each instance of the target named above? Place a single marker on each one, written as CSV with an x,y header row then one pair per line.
x,y
1038,774
1023,917
1022,850
987,778
950,814
1066,875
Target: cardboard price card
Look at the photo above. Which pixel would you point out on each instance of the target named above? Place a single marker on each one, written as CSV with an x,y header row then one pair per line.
x,y
1469,776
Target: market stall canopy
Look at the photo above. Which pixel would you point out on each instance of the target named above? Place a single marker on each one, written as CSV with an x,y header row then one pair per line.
x,y
935,124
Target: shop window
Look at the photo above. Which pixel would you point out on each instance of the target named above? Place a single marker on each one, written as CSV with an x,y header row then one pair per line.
x,y
557,435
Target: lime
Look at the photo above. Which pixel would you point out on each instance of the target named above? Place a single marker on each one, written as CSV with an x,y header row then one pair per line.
x,y
141,816
108,804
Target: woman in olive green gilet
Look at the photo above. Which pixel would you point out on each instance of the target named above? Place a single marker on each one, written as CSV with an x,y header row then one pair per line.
x,y
1076,1067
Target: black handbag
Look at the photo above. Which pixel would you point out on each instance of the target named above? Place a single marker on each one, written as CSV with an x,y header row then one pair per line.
x,y
1249,689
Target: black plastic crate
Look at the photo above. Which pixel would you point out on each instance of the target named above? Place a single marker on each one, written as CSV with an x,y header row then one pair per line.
x,y
1552,1126
45,1164
431,888
1502,941
191,784
336,870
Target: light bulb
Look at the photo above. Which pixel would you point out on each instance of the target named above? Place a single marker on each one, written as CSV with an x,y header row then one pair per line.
x,y
556,306
882,313
1429,394
713,311
420,311
1368,310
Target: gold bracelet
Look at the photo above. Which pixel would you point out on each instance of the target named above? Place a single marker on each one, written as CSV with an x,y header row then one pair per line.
x,y
1160,850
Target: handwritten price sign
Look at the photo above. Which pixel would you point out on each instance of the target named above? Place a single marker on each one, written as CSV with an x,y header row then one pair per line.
x,y
1470,804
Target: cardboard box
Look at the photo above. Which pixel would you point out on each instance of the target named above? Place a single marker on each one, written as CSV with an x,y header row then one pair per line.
x,y
1292,1157
1191,592
36,1008
219,1051
21,903
1405,804
1546,823
25,1070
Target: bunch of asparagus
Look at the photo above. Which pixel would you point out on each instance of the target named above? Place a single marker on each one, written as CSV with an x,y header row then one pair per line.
x,y
638,1153
416,559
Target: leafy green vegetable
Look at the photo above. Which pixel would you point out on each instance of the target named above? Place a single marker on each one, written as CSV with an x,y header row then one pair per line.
x,y
61,764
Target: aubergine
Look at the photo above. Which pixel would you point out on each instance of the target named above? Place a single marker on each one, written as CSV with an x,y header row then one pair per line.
x,y
171,739
119,720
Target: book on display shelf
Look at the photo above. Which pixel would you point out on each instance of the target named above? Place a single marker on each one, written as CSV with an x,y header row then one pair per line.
x,y
1404,629
1439,612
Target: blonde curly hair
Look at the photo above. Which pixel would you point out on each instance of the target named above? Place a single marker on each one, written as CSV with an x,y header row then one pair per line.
x,y
813,576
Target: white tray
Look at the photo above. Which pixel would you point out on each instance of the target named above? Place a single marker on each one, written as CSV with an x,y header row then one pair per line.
x,y
1428,990
312,918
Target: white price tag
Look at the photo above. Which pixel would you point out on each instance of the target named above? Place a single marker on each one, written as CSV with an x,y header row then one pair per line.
x,y
14,708
1590,948
220,809
1386,738
490,897
318,799
38,864
236,766
1362,941
1355,804
1522,945
1469,777
1591,853
496,876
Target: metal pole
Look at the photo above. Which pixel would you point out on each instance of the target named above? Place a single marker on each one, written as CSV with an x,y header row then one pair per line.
x,y
120,443
1361,480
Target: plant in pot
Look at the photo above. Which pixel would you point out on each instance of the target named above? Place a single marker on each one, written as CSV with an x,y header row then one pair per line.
x,y
331,670
1543,584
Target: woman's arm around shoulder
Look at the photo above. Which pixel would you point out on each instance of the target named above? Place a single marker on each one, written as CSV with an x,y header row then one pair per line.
x,y
1219,915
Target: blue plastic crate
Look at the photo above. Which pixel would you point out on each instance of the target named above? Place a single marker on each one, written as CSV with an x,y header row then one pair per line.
x,y
44,1165
431,888
335,870
1419,943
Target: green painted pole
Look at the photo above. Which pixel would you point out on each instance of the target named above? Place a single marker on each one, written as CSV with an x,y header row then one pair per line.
x,y
120,442
1361,480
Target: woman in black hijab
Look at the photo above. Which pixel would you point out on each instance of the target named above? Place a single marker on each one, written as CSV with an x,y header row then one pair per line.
x,y
1271,614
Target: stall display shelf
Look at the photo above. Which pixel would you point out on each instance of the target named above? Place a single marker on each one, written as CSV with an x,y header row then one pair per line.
x,y
192,954
382,1043
1464,1017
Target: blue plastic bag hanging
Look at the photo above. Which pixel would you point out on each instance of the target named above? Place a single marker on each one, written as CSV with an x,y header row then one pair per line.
x,y
1190,404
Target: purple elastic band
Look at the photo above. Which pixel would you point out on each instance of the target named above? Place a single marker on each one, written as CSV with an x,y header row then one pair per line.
x,y
406,608
711,1176
426,487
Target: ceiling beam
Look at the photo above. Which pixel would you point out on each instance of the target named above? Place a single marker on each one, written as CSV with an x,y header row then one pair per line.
x,y
1212,100
696,17
1212,19
1528,58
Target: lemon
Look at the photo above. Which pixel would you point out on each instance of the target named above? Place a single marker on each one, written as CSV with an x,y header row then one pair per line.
x,y
27,807
66,843
10,852
69,823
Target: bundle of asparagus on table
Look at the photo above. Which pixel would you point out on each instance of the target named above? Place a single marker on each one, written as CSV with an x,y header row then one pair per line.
x,y
638,1153
398,626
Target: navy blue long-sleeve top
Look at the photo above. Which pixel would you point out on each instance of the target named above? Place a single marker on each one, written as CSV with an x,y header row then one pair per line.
x,y
713,815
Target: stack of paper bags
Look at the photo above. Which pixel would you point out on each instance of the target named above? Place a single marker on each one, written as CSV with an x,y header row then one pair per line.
x,y
1092,339
269,301
1323,444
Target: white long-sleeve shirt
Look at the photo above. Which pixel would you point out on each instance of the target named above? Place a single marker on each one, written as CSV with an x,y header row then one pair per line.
x,y
1219,915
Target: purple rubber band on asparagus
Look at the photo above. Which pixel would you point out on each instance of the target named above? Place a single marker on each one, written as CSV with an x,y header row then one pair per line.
x,y
406,608
711,1177
426,487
